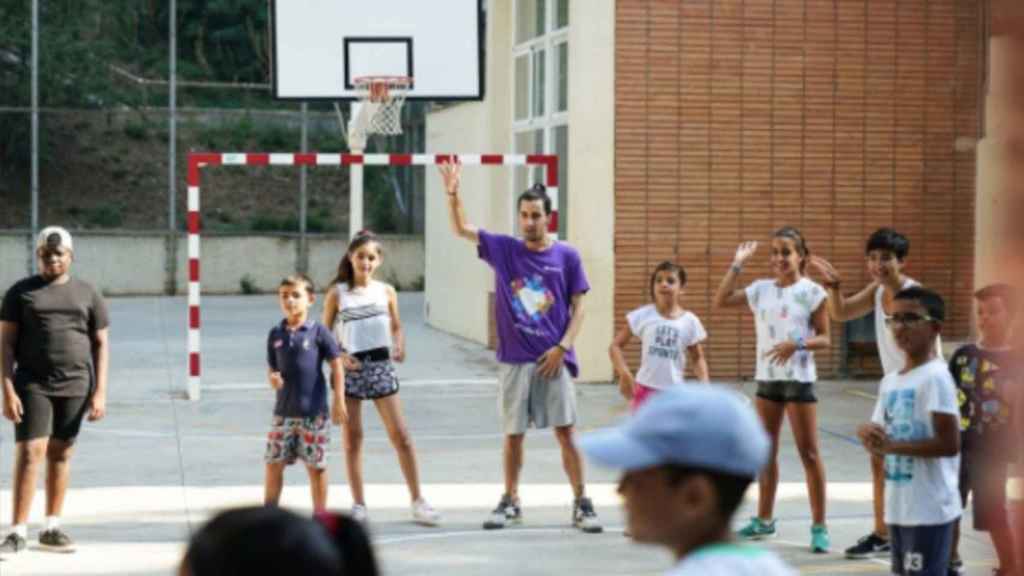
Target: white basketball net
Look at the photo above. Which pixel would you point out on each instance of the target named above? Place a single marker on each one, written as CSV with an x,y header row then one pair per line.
x,y
382,98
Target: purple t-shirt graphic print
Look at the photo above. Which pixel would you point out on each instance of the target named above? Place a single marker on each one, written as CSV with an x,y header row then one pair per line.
x,y
533,295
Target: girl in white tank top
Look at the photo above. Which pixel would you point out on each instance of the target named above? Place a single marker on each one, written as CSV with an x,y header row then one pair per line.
x,y
363,314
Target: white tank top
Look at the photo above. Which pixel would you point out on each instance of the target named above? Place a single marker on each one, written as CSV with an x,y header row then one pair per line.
x,y
363,322
892,357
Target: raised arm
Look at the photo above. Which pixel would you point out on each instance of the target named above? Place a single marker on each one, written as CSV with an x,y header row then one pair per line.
x,y
728,296
841,308
451,173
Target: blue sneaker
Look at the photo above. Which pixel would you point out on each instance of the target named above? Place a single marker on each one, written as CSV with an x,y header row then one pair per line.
x,y
820,540
757,529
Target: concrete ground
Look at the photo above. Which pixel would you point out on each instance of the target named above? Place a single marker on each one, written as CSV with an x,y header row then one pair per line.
x,y
151,472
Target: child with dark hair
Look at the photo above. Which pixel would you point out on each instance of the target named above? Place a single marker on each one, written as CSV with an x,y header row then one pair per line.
x,y
687,458
915,428
297,348
260,540
986,375
669,335
791,322
352,541
885,253
363,312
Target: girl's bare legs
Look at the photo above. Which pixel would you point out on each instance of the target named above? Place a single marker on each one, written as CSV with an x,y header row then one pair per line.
x,y
354,449
771,414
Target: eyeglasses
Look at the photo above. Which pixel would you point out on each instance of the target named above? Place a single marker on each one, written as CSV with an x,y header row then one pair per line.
x,y
907,320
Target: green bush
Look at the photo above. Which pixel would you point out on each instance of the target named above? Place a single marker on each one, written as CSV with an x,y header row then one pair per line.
x,y
136,131
104,216
247,284
268,223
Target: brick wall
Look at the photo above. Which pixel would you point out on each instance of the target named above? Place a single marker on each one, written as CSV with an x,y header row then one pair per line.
x,y
736,117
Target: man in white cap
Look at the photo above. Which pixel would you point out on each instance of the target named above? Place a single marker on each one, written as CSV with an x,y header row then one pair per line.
x,y
53,363
688,456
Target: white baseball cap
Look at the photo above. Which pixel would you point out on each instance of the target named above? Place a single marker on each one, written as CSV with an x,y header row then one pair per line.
x,y
53,236
705,427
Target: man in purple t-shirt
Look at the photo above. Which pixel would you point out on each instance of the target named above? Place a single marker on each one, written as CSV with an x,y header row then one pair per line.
x,y
540,286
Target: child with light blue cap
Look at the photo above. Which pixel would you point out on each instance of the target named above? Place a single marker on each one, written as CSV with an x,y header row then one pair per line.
x,y
687,458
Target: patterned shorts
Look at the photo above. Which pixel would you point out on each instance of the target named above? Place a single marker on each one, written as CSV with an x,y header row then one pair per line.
x,y
374,379
292,439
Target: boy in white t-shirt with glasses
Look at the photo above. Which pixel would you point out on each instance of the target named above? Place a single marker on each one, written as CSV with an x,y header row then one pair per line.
x,y
915,427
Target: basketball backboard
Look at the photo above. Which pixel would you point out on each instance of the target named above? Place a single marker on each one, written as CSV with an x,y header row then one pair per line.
x,y
321,46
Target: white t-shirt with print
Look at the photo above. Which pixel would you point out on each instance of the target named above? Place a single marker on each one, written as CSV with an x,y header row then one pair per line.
x,y
889,352
918,491
732,560
780,315
664,341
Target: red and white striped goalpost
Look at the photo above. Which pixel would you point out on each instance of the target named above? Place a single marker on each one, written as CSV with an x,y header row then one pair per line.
x,y
199,160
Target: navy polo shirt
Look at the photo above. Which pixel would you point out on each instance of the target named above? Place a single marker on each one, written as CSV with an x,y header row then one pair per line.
x,y
299,356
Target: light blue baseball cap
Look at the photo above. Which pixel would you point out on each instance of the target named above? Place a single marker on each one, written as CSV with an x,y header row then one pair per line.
x,y
706,427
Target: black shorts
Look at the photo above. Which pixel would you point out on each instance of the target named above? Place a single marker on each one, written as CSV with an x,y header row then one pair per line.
x,y
47,416
985,479
787,391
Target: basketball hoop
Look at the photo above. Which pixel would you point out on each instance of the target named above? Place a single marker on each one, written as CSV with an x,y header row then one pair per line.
x,y
382,97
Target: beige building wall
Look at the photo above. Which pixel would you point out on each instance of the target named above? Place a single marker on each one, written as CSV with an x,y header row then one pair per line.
x,y
458,283
592,173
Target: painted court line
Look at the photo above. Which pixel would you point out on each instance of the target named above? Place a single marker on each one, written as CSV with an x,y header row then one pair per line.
x,y
860,394
410,383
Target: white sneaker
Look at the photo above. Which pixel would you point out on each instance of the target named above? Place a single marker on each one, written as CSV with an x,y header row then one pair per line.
x,y
423,513
359,513
584,517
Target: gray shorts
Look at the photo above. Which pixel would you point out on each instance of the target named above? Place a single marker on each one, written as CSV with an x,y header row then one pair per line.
x,y
527,399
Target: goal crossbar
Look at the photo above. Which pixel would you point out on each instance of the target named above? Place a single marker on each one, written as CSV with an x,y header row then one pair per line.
x,y
197,161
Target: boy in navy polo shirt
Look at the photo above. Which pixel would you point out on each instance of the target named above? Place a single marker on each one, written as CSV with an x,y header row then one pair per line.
x,y
296,349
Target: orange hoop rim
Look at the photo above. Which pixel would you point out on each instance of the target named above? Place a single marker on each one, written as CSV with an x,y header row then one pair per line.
x,y
378,88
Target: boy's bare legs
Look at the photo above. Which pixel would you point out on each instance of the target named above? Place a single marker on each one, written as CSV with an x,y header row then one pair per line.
x,y
1002,539
878,491
58,473
513,458
354,449
771,414
318,487
571,460
30,455
273,483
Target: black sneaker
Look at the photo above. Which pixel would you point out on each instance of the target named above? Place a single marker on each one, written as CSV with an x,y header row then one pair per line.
x,y
507,512
13,544
584,517
56,540
956,568
870,546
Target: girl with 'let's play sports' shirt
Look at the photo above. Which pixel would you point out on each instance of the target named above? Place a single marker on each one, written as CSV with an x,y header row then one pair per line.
x,y
670,335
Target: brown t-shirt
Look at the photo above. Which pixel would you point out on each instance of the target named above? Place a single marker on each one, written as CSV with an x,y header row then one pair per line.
x,y
56,327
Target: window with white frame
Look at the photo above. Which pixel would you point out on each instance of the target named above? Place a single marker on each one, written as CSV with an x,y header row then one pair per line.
x,y
540,111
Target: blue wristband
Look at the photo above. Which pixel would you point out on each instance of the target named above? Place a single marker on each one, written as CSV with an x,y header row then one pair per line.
x,y
801,344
